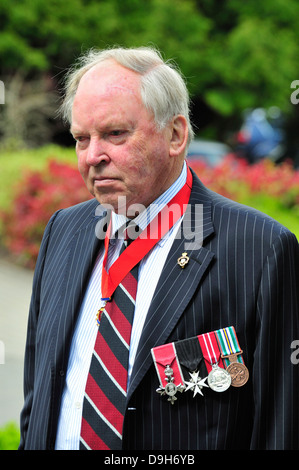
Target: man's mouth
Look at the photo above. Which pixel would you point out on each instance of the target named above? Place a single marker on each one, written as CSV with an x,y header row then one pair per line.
x,y
103,180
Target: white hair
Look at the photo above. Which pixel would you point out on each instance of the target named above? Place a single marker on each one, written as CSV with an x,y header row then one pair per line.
x,y
163,89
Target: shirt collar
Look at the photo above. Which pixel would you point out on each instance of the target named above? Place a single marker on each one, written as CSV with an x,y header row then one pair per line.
x,y
143,219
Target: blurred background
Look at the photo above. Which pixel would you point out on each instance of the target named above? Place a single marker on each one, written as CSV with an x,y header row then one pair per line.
x,y
240,60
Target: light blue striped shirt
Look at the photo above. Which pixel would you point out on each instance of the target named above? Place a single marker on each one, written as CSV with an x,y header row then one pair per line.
x,y
69,425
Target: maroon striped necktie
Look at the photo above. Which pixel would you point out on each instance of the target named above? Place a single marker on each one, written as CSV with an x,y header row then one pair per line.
x,y
106,388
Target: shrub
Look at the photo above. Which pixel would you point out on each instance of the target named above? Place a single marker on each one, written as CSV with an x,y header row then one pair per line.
x,y
269,188
237,179
9,437
272,189
40,194
13,164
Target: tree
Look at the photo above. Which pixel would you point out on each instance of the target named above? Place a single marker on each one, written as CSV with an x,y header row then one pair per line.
x,y
234,54
25,118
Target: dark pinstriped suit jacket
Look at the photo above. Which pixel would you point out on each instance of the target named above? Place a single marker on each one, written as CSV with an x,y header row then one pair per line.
x,y
245,275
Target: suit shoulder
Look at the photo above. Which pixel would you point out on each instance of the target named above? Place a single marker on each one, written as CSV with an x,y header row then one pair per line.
x,y
249,218
73,216
82,209
85,206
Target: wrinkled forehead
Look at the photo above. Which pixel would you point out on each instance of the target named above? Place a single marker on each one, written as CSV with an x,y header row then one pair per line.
x,y
108,93
110,78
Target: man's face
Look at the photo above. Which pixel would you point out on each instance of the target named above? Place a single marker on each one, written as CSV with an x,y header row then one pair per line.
x,y
119,150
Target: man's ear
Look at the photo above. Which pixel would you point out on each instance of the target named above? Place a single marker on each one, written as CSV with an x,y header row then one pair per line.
x,y
179,135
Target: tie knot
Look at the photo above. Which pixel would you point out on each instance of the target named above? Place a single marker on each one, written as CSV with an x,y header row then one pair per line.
x,y
131,232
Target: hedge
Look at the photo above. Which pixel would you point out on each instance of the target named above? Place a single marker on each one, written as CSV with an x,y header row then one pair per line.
x,y
272,189
40,194
9,437
53,182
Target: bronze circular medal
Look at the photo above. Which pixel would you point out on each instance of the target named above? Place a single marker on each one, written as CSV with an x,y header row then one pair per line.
x,y
239,373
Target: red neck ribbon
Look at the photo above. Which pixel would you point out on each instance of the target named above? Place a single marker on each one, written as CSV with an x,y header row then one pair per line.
x,y
142,245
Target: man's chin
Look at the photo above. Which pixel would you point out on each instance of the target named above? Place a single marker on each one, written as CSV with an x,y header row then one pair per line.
x,y
121,206
115,204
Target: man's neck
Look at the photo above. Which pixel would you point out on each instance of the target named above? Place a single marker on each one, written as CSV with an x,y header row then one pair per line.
x,y
147,215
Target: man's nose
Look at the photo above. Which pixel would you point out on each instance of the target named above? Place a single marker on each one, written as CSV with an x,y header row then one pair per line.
x,y
97,152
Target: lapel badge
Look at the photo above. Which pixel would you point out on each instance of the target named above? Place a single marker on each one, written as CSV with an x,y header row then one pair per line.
x,y
183,260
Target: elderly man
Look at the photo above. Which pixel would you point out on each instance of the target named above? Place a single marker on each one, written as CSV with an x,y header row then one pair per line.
x,y
180,338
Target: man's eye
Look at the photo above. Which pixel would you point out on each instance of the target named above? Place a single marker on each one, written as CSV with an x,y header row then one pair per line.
x,y
116,133
81,142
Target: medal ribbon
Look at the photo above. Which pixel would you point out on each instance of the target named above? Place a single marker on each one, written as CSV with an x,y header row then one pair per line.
x,y
143,244
163,356
210,350
229,344
189,354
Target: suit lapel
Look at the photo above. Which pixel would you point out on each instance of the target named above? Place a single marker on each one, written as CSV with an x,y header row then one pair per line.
x,y
79,261
84,248
176,286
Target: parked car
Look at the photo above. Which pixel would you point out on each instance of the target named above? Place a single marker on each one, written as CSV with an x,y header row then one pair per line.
x,y
211,152
262,135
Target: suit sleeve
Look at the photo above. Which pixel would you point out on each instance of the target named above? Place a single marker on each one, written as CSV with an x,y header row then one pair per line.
x,y
275,376
29,361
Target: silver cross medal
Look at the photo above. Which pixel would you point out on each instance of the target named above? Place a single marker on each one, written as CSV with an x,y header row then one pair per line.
x,y
196,383
170,388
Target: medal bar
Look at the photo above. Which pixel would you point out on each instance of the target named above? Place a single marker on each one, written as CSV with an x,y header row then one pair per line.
x,y
231,353
219,379
189,355
169,371
179,365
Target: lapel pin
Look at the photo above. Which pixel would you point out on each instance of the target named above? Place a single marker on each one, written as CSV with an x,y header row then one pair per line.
x,y
183,260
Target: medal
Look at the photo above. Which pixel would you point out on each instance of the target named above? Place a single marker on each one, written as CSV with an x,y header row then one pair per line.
x,y
182,365
140,246
239,374
170,388
190,357
231,353
169,371
219,379
101,311
196,383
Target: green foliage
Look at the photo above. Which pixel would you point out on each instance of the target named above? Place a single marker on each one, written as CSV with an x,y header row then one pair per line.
x,y
13,166
253,61
37,183
49,34
39,195
268,188
274,207
9,437
233,53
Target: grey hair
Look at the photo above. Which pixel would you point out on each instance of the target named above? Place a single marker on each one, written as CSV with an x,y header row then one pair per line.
x,y
163,89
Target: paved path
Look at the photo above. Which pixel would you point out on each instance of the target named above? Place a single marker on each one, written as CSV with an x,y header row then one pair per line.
x,y
15,293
